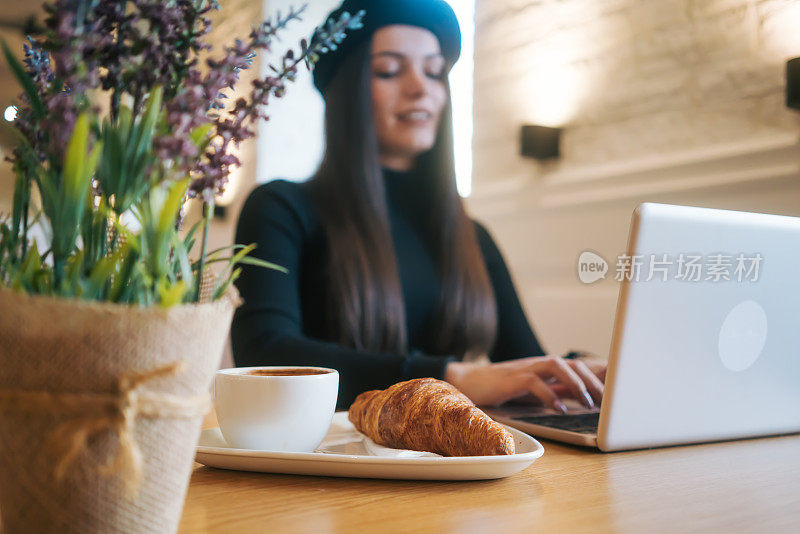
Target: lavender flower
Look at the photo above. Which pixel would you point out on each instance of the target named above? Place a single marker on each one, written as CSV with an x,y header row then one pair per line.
x,y
37,63
62,70
239,123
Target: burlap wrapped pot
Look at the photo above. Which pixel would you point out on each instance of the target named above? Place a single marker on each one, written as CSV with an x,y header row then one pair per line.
x,y
98,419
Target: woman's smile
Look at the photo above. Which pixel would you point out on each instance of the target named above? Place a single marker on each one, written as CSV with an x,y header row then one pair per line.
x,y
416,117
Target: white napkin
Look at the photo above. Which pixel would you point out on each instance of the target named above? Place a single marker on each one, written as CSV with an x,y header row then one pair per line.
x,y
359,444
379,450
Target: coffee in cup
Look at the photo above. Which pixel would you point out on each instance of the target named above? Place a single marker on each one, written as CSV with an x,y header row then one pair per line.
x,y
289,371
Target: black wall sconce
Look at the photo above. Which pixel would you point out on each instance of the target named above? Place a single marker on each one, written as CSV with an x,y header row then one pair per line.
x,y
793,83
220,212
540,142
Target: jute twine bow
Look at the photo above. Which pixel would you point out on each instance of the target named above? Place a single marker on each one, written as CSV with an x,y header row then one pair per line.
x,y
93,413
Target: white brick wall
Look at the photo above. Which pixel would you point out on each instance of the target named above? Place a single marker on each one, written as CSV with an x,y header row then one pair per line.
x,y
641,77
677,101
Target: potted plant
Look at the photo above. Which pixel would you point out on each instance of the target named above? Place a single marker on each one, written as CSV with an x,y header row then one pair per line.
x,y
108,341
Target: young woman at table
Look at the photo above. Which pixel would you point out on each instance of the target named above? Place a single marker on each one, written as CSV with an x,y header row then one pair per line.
x,y
388,278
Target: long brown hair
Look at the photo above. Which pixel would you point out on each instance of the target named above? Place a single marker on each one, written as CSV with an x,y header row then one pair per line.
x,y
365,307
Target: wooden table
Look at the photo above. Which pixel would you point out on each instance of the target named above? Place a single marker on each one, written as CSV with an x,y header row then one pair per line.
x,y
742,486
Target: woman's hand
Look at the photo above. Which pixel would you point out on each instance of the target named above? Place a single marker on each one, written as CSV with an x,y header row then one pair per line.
x,y
545,377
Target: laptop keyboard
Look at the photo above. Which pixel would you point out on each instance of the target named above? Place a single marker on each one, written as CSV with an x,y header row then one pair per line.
x,y
582,423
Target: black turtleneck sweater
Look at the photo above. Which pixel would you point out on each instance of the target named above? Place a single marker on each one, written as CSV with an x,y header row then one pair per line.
x,y
282,320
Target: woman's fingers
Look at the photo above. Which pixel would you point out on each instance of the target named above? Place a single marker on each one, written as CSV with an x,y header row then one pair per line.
x,y
592,382
547,378
537,386
599,369
572,380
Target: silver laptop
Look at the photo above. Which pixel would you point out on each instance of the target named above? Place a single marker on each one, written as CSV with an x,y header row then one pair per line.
x,y
706,341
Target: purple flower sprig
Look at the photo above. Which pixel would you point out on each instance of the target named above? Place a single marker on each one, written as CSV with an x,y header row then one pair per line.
x,y
62,66
328,36
239,123
37,64
197,103
156,47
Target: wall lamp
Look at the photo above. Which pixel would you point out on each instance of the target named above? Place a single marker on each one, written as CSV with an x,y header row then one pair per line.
x,y
793,83
540,142
220,212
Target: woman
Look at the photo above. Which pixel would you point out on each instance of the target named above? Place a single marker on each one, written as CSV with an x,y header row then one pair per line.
x,y
388,278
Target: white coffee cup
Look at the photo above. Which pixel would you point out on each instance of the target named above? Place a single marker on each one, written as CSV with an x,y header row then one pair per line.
x,y
278,409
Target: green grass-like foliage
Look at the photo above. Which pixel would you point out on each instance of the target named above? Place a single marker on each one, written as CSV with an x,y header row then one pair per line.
x,y
146,268
91,255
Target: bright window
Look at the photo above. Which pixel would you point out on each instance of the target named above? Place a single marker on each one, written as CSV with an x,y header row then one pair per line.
x,y
461,81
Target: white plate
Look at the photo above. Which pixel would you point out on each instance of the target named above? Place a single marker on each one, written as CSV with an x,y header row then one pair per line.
x,y
344,453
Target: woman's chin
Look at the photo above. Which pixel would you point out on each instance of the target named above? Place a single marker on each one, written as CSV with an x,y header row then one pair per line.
x,y
415,147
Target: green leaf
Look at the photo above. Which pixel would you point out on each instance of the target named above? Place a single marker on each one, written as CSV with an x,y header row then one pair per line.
x,y
101,274
125,277
73,272
170,295
201,136
172,206
242,253
234,260
111,167
227,247
147,128
214,255
21,197
31,266
124,121
43,282
73,195
181,254
249,260
224,287
75,159
188,241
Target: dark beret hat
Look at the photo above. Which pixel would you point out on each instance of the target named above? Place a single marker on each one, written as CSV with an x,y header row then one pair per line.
x,y
434,15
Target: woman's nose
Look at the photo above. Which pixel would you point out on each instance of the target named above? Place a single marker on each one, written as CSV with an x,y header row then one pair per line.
x,y
414,84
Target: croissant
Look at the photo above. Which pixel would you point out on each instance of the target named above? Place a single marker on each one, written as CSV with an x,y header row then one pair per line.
x,y
426,414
